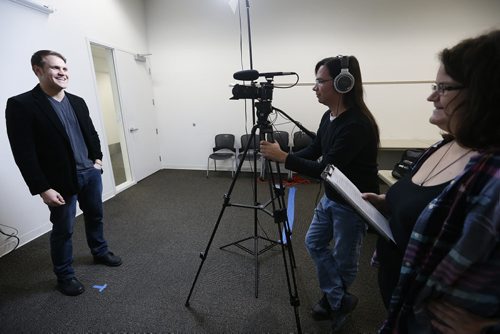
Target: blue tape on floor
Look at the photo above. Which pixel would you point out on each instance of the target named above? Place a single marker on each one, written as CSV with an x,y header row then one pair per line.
x,y
100,287
290,212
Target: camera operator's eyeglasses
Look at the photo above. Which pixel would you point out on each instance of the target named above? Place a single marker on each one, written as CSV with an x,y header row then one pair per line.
x,y
322,81
442,88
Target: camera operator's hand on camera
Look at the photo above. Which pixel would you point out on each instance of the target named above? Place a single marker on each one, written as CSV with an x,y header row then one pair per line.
x,y
272,151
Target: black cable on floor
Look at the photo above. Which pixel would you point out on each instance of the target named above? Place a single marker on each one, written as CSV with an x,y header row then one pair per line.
x,y
12,235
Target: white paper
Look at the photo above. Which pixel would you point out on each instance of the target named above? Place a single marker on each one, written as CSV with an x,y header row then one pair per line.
x,y
350,193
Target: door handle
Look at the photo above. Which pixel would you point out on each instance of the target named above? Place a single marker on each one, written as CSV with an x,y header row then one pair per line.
x,y
133,129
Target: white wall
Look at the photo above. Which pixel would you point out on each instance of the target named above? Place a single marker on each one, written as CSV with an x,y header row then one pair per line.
x,y
119,23
195,46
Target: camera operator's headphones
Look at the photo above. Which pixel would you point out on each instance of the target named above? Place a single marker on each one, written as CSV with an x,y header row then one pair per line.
x,y
344,81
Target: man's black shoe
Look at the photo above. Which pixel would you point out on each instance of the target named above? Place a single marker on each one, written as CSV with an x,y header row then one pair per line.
x,y
108,259
322,309
70,287
339,317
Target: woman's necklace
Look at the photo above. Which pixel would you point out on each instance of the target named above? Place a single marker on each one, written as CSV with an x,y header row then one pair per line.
x,y
430,176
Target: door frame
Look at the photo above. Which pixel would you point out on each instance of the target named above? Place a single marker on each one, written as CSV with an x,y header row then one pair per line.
x,y
118,105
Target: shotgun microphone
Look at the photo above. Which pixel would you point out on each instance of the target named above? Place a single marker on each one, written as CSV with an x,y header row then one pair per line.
x,y
246,75
250,75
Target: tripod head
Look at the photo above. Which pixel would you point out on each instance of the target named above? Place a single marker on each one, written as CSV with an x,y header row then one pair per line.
x,y
264,108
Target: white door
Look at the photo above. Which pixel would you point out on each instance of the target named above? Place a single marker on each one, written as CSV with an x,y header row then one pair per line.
x,y
136,98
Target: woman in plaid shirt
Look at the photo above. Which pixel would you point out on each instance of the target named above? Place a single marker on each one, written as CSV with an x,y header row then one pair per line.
x,y
450,275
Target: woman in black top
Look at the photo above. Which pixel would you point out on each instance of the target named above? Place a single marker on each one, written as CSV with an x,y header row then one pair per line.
x,y
406,200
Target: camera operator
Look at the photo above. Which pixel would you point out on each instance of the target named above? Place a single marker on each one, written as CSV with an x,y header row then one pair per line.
x,y
348,138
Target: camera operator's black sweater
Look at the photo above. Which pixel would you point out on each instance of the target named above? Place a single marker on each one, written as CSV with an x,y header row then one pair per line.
x,y
349,143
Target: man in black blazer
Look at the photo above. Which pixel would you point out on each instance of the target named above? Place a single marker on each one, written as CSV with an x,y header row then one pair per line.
x,y
58,152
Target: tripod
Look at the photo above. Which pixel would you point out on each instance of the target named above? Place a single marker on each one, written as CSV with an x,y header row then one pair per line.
x,y
279,214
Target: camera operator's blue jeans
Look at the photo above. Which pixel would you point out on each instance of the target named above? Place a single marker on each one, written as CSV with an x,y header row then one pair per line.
x,y
62,217
336,266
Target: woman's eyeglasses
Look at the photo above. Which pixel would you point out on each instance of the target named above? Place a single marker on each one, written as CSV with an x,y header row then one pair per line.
x,y
442,88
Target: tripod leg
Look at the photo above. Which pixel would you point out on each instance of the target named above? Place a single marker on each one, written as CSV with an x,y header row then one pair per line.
x,y
280,215
256,264
290,274
226,203
204,254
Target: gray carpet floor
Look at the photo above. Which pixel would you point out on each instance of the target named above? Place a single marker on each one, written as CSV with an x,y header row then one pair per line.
x,y
159,227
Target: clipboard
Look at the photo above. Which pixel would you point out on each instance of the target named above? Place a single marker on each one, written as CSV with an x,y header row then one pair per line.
x,y
334,177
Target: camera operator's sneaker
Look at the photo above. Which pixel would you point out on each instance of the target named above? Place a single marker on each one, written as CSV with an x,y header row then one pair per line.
x,y
339,317
322,309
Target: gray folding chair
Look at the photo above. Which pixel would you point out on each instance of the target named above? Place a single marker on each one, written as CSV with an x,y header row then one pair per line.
x,y
252,151
224,149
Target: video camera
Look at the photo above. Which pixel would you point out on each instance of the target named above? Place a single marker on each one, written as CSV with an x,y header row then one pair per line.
x,y
264,92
